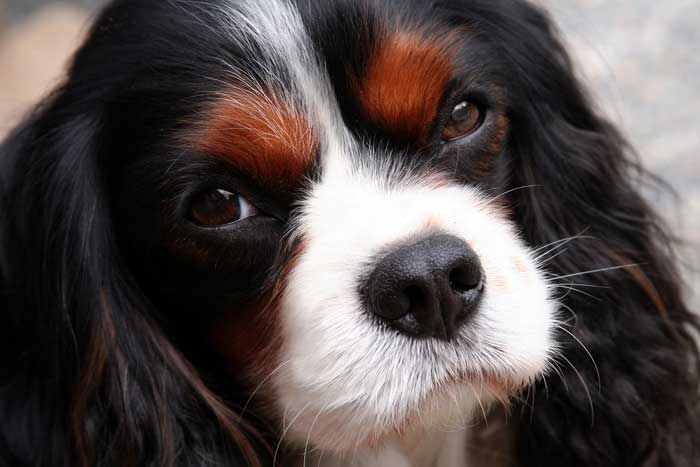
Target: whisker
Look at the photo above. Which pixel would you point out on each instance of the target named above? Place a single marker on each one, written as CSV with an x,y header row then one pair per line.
x,y
574,317
573,289
320,457
557,369
591,286
175,161
565,240
311,428
488,203
592,271
585,349
483,410
546,391
585,387
245,407
284,433
547,260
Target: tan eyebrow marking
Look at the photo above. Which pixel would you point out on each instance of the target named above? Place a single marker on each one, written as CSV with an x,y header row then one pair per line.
x,y
404,81
262,135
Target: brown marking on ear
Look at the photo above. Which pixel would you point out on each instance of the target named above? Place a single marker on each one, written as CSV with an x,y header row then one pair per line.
x,y
103,352
404,81
647,286
262,135
99,350
644,282
239,429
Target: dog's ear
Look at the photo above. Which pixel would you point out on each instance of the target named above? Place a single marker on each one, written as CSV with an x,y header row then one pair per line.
x,y
88,378
575,176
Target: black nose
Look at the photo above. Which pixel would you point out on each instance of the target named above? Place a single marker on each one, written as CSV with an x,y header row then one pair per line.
x,y
426,288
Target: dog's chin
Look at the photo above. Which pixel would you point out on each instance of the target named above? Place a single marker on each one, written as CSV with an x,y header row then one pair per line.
x,y
326,422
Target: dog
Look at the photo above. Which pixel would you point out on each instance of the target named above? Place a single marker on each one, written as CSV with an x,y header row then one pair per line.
x,y
367,233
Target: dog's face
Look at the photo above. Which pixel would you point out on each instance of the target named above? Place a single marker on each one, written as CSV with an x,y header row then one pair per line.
x,y
347,219
323,191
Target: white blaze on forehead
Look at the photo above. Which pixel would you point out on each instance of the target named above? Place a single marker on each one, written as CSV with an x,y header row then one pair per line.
x,y
276,28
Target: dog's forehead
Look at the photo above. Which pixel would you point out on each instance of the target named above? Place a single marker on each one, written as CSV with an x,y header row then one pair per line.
x,y
389,64
306,67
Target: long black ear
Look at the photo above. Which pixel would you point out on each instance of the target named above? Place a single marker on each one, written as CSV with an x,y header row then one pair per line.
x,y
626,391
87,378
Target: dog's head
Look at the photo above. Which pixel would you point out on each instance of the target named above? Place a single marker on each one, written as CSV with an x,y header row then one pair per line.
x,y
329,198
346,209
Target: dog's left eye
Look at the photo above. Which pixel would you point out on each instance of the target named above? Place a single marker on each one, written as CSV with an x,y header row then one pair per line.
x,y
464,120
216,207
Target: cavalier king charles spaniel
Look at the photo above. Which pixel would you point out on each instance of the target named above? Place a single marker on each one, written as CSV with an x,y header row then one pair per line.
x,y
336,233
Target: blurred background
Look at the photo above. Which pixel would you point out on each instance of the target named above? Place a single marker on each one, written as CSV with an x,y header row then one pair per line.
x,y
642,63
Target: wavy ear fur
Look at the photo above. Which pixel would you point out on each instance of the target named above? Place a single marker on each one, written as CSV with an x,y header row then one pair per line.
x,y
88,379
626,390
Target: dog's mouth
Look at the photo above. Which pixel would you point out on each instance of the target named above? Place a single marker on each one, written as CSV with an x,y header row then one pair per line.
x,y
501,386
389,411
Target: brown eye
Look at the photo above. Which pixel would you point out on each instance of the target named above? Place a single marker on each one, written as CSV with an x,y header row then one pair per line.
x,y
464,119
218,207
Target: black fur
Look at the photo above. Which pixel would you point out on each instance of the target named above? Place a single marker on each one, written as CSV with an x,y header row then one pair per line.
x,y
98,363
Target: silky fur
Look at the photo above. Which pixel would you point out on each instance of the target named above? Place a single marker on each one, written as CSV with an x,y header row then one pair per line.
x,y
108,297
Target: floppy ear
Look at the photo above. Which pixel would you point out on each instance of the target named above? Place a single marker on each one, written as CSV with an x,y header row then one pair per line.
x,y
88,378
622,306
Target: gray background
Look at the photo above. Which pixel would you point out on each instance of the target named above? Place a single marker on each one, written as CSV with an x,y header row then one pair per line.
x,y
641,58
18,9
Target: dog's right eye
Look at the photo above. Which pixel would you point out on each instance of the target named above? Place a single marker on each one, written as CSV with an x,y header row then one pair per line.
x,y
216,207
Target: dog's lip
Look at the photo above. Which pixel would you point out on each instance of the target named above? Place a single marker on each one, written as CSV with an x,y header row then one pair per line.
x,y
502,386
499,386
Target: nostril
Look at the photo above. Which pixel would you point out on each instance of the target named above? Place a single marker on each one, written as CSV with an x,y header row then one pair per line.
x,y
416,297
421,300
465,278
